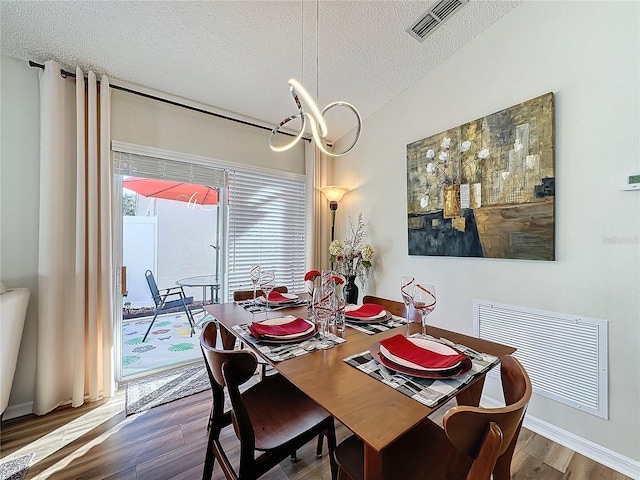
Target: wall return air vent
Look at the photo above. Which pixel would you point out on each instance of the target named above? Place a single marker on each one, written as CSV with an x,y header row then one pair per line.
x,y
427,23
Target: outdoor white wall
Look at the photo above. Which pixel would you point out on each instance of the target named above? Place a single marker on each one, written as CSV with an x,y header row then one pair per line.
x,y
594,72
19,206
173,241
184,236
139,254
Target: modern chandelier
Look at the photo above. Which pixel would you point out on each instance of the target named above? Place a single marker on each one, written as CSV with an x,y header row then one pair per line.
x,y
311,114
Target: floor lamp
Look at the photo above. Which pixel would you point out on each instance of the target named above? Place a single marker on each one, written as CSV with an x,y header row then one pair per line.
x,y
334,194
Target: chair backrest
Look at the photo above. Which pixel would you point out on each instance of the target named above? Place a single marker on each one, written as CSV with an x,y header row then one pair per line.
x,y
240,295
467,426
230,369
487,456
392,306
155,293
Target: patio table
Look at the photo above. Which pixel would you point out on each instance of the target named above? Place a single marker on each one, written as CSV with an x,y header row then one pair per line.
x,y
206,282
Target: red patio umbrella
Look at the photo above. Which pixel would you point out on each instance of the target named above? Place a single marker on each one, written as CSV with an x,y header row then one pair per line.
x,y
180,191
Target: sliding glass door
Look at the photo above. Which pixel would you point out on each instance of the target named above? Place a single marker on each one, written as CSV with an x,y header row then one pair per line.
x,y
205,234
171,227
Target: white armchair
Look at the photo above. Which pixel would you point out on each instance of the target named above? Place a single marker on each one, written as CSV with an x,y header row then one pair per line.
x,y
13,310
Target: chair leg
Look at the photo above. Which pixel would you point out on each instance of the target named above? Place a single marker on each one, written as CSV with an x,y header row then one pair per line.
x,y
294,457
331,446
210,423
150,326
189,315
319,446
209,459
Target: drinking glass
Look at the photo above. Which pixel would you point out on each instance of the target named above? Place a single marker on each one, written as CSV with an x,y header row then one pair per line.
x,y
340,314
324,308
407,289
339,283
254,273
267,284
424,301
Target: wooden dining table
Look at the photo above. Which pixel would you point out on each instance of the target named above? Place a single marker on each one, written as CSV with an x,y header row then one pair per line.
x,y
375,412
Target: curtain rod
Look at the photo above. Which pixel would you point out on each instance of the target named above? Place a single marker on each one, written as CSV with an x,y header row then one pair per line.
x,y
66,74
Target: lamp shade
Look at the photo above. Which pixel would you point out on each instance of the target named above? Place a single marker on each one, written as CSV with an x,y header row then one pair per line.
x,y
334,193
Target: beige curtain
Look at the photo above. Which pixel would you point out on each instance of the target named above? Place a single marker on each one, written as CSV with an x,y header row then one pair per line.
x,y
75,318
318,245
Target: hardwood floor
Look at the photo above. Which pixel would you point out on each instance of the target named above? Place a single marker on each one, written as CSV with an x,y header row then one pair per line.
x,y
97,441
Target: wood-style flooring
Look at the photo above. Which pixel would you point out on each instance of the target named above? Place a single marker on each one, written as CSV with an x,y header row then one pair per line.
x,y
97,441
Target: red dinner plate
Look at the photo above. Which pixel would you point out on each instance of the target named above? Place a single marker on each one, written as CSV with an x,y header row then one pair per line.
x,y
288,298
456,371
292,338
384,318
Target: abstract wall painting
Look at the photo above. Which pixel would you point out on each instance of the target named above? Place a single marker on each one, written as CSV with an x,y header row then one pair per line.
x,y
486,188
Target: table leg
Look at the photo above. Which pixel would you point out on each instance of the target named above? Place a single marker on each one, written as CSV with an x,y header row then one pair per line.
x,y
215,298
228,339
471,396
372,463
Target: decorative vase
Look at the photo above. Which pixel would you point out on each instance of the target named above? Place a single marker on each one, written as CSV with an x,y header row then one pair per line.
x,y
351,290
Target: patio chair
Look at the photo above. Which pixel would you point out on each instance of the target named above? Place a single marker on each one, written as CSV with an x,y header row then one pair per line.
x,y
166,299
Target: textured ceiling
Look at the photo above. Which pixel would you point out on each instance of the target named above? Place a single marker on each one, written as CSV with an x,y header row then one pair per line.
x,y
238,55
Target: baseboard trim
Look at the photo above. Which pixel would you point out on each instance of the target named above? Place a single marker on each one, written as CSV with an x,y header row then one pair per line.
x,y
15,411
589,449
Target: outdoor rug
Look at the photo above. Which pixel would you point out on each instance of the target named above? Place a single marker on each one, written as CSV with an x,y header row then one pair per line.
x,y
15,469
166,387
169,342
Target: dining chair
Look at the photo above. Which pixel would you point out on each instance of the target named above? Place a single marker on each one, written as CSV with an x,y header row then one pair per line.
x,y
474,443
392,306
161,299
240,295
271,418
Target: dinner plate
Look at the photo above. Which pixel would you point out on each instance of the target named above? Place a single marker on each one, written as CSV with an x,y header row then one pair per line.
x,y
422,343
461,369
291,338
290,298
383,316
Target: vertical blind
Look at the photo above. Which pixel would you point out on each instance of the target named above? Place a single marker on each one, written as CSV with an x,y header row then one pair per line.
x,y
267,228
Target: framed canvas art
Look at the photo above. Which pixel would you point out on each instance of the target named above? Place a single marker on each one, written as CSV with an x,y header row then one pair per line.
x,y
486,188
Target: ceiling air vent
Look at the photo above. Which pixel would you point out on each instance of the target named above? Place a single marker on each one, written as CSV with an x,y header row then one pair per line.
x,y
432,19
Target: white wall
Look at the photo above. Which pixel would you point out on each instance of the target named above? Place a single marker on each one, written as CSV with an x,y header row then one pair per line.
x,y
19,206
147,122
587,53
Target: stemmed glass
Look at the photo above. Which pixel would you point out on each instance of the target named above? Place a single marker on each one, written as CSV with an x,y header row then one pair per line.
x,y
407,289
324,308
254,273
424,301
267,284
338,284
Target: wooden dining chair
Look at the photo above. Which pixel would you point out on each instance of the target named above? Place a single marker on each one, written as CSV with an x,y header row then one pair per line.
x,y
474,443
240,295
271,419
